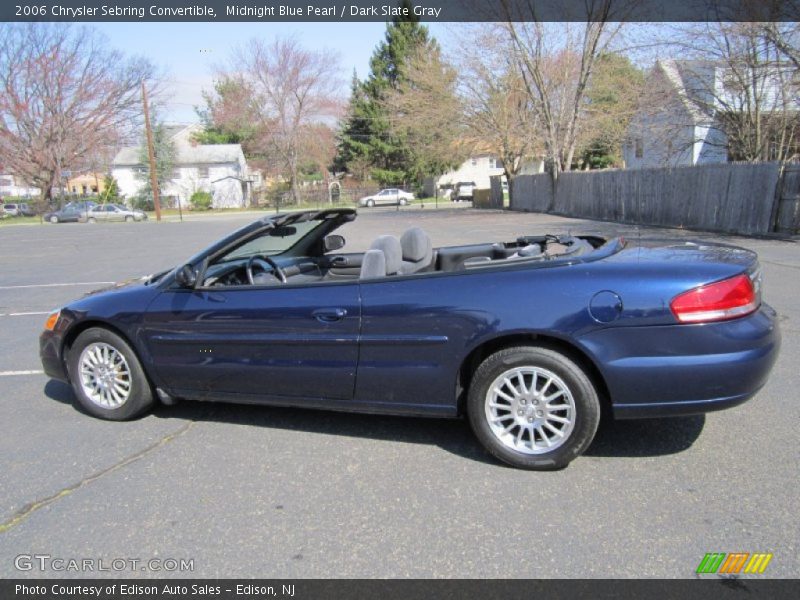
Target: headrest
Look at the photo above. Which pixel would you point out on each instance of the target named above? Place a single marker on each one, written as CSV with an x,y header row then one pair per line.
x,y
390,246
416,245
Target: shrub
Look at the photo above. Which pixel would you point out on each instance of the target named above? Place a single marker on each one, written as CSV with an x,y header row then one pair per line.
x,y
142,203
201,201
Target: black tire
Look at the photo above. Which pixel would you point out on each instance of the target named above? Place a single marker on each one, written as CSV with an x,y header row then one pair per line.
x,y
128,219
370,203
92,220
403,201
585,414
54,219
140,397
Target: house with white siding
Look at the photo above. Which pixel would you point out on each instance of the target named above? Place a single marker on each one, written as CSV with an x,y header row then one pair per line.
x,y
13,186
220,169
479,169
679,120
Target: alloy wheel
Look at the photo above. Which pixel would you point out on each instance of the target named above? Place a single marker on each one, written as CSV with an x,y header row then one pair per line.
x,y
530,410
105,376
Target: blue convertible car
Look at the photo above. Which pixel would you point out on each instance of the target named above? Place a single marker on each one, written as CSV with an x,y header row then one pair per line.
x,y
528,338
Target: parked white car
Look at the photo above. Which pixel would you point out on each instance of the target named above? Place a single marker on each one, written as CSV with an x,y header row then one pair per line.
x,y
390,196
464,191
114,212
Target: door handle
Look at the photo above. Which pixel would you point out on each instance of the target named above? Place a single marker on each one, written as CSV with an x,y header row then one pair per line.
x,y
339,261
329,315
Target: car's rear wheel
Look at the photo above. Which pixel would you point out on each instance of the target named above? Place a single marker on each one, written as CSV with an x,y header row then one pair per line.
x,y
108,379
403,201
533,407
54,219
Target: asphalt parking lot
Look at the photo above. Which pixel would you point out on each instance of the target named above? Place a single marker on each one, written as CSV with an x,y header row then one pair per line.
x,y
248,491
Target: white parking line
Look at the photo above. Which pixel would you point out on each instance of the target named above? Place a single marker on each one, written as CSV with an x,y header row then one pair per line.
x,y
14,373
25,314
38,285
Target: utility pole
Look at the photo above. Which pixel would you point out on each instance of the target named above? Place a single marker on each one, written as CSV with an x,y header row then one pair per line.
x,y
151,153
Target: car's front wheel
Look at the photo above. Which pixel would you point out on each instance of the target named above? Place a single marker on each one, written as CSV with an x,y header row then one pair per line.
x,y
533,408
108,379
370,203
128,219
54,219
92,220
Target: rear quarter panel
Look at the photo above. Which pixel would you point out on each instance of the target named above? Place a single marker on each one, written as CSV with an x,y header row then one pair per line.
x,y
417,331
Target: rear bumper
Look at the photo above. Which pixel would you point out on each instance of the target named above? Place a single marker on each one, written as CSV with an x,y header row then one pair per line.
x,y
685,369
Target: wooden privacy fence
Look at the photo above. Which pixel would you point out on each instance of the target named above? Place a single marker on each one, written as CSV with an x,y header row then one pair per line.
x,y
731,197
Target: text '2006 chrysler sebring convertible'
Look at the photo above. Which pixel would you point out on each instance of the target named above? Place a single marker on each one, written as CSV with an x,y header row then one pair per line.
x,y
529,339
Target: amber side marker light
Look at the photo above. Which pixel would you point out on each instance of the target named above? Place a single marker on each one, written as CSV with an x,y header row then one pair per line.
x,y
726,299
51,321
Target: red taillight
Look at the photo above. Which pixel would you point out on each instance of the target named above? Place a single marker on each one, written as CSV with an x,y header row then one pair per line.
x,y
726,299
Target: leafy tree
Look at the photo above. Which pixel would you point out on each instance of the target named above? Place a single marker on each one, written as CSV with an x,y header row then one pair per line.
x,y
424,111
164,150
229,115
367,139
611,101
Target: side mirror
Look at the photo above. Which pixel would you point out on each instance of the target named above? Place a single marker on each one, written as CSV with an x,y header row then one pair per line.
x,y
186,276
334,242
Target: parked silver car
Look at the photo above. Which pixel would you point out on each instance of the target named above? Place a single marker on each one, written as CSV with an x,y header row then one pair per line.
x,y
114,212
389,196
20,209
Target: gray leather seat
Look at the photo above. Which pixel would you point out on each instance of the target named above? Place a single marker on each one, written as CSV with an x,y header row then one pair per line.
x,y
390,246
373,265
417,250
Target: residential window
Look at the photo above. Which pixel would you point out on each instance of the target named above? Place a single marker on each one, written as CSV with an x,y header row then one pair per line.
x,y
202,172
639,147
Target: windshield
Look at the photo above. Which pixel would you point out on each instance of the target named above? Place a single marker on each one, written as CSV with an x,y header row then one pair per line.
x,y
273,241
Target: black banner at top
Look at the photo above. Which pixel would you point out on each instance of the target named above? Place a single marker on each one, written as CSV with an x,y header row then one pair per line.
x,y
91,11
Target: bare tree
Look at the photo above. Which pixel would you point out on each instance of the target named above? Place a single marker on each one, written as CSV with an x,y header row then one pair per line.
x,y
556,61
64,96
735,93
786,38
498,112
294,90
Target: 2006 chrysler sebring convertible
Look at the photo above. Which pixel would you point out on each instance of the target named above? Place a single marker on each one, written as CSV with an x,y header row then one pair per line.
x,y
528,338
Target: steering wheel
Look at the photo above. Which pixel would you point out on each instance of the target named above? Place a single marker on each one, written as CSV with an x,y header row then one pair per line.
x,y
266,264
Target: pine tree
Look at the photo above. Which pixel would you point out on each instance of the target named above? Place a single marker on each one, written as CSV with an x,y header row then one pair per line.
x,y
366,144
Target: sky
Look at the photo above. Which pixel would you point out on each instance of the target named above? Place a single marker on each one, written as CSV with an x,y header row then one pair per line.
x,y
187,52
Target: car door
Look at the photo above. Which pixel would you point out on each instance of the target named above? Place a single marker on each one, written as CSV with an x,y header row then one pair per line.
x,y
413,335
112,213
385,197
290,344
